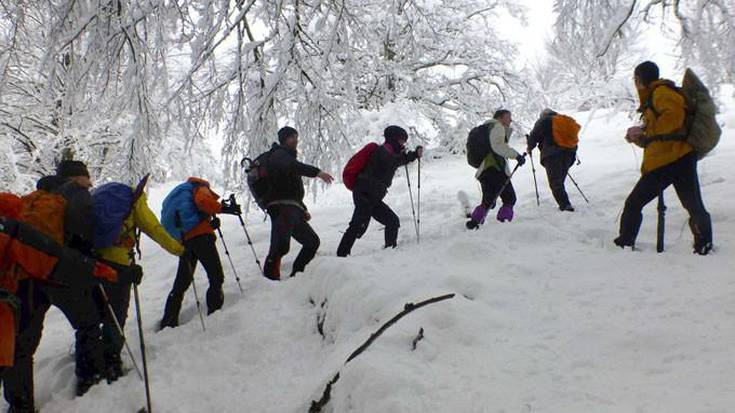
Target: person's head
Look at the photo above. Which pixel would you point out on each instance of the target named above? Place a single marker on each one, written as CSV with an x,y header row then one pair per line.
x,y
396,136
503,116
547,112
76,171
645,74
288,137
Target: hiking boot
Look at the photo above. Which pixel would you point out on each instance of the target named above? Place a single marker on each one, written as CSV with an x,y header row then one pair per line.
x,y
622,244
16,409
85,383
505,213
113,368
703,249
567,207
471,224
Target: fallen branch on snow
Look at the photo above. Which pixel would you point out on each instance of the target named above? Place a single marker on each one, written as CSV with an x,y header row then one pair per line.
x,y
317,405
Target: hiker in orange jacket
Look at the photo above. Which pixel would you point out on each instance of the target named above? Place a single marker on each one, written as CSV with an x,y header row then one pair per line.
x,y
199,246
667,159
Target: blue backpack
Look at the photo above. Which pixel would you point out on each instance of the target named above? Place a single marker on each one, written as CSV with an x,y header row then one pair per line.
x,y
112,203
179,203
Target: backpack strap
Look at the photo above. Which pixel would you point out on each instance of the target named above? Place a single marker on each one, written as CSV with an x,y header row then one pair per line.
x,y
137,193
648,104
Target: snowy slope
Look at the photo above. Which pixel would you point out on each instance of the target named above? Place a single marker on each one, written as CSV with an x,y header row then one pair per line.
x,y
549,316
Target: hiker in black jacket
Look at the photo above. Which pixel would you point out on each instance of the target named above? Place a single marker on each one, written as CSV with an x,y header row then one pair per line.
x,y
371,187
554,158
289,215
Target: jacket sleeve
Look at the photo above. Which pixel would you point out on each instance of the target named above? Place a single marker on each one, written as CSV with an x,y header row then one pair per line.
x,y
500,147
671,113
537,134
407,158
147,221
206,201
303,169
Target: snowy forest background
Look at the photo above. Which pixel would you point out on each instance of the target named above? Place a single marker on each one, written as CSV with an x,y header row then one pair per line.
x,y
139,86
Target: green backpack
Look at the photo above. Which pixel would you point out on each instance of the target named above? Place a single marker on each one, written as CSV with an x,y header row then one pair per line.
x,y
703,132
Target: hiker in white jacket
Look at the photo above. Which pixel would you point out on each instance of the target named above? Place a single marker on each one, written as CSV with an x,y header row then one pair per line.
x,y
494,172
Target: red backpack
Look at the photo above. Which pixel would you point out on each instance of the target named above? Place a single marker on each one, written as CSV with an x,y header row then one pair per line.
x,y
357,163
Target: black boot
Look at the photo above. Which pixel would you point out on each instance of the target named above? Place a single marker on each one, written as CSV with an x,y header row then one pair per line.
x,y
113,368
84,383
171,313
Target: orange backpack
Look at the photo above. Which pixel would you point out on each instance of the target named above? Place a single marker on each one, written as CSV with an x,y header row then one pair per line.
x,y
565,131
44,211
10,205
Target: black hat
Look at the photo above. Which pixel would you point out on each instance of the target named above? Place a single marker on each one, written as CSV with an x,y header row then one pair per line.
x,y
647,72
68,169
285,133
395,133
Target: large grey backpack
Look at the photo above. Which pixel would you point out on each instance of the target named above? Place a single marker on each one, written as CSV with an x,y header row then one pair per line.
x,y
703,132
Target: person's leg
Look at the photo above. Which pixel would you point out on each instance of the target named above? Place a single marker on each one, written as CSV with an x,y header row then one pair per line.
x,y
358,225
80,308
184,277
385,215
118,295
556,172
281,230
18,380
205,249
649,186
309,240
491,181
686,184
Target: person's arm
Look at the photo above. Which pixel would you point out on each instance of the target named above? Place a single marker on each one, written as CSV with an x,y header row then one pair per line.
x,y
498,144
537,134
670,107
147,221
303,169
206,200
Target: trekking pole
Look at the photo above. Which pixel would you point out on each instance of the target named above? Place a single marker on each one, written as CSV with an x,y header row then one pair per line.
x,y
142,350
180,226
413,210
535,183
507,181
578,188
247,235
141,338
418,221
661,224
227,252
119,329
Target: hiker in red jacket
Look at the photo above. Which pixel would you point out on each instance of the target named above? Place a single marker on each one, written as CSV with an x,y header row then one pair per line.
x,y
371,187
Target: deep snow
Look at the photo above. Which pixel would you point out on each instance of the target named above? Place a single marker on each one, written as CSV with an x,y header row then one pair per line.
x,y
549,315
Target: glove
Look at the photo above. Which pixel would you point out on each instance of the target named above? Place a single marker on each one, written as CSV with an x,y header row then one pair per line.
x,y
232,209
215,223
104,272
307,216
134,274
521,160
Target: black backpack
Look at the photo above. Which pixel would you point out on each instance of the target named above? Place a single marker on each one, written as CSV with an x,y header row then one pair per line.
x,y
259,179
478,145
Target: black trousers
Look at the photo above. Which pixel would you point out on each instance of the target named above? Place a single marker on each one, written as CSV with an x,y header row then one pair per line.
x,y
79,307
118,295
365,210
289,221
198,249
557,167
491,181
683,175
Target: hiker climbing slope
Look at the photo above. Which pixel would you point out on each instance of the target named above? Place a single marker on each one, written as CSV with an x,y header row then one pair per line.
x,y
369,174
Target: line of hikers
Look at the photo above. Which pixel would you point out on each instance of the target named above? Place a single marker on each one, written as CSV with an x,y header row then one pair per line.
x,y
65,246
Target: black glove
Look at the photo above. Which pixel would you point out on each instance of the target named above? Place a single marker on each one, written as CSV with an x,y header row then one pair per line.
x,y
215,223
133,274
230,208
521,160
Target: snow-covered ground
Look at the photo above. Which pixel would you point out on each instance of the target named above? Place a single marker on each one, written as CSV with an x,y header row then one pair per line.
x,y
549,316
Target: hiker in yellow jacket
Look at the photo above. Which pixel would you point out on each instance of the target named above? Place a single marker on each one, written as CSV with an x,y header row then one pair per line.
x,y
119,257
667,159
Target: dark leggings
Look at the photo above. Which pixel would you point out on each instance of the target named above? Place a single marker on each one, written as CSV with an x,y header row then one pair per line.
x,y
364,211
683,175
557,167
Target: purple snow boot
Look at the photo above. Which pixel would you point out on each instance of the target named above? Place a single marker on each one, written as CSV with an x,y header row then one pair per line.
x,y
477,217
505,213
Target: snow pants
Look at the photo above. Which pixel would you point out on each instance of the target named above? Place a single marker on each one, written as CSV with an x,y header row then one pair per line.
x,y
198,249
365,210
557,167
683,175
491,181
289,221
79,307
